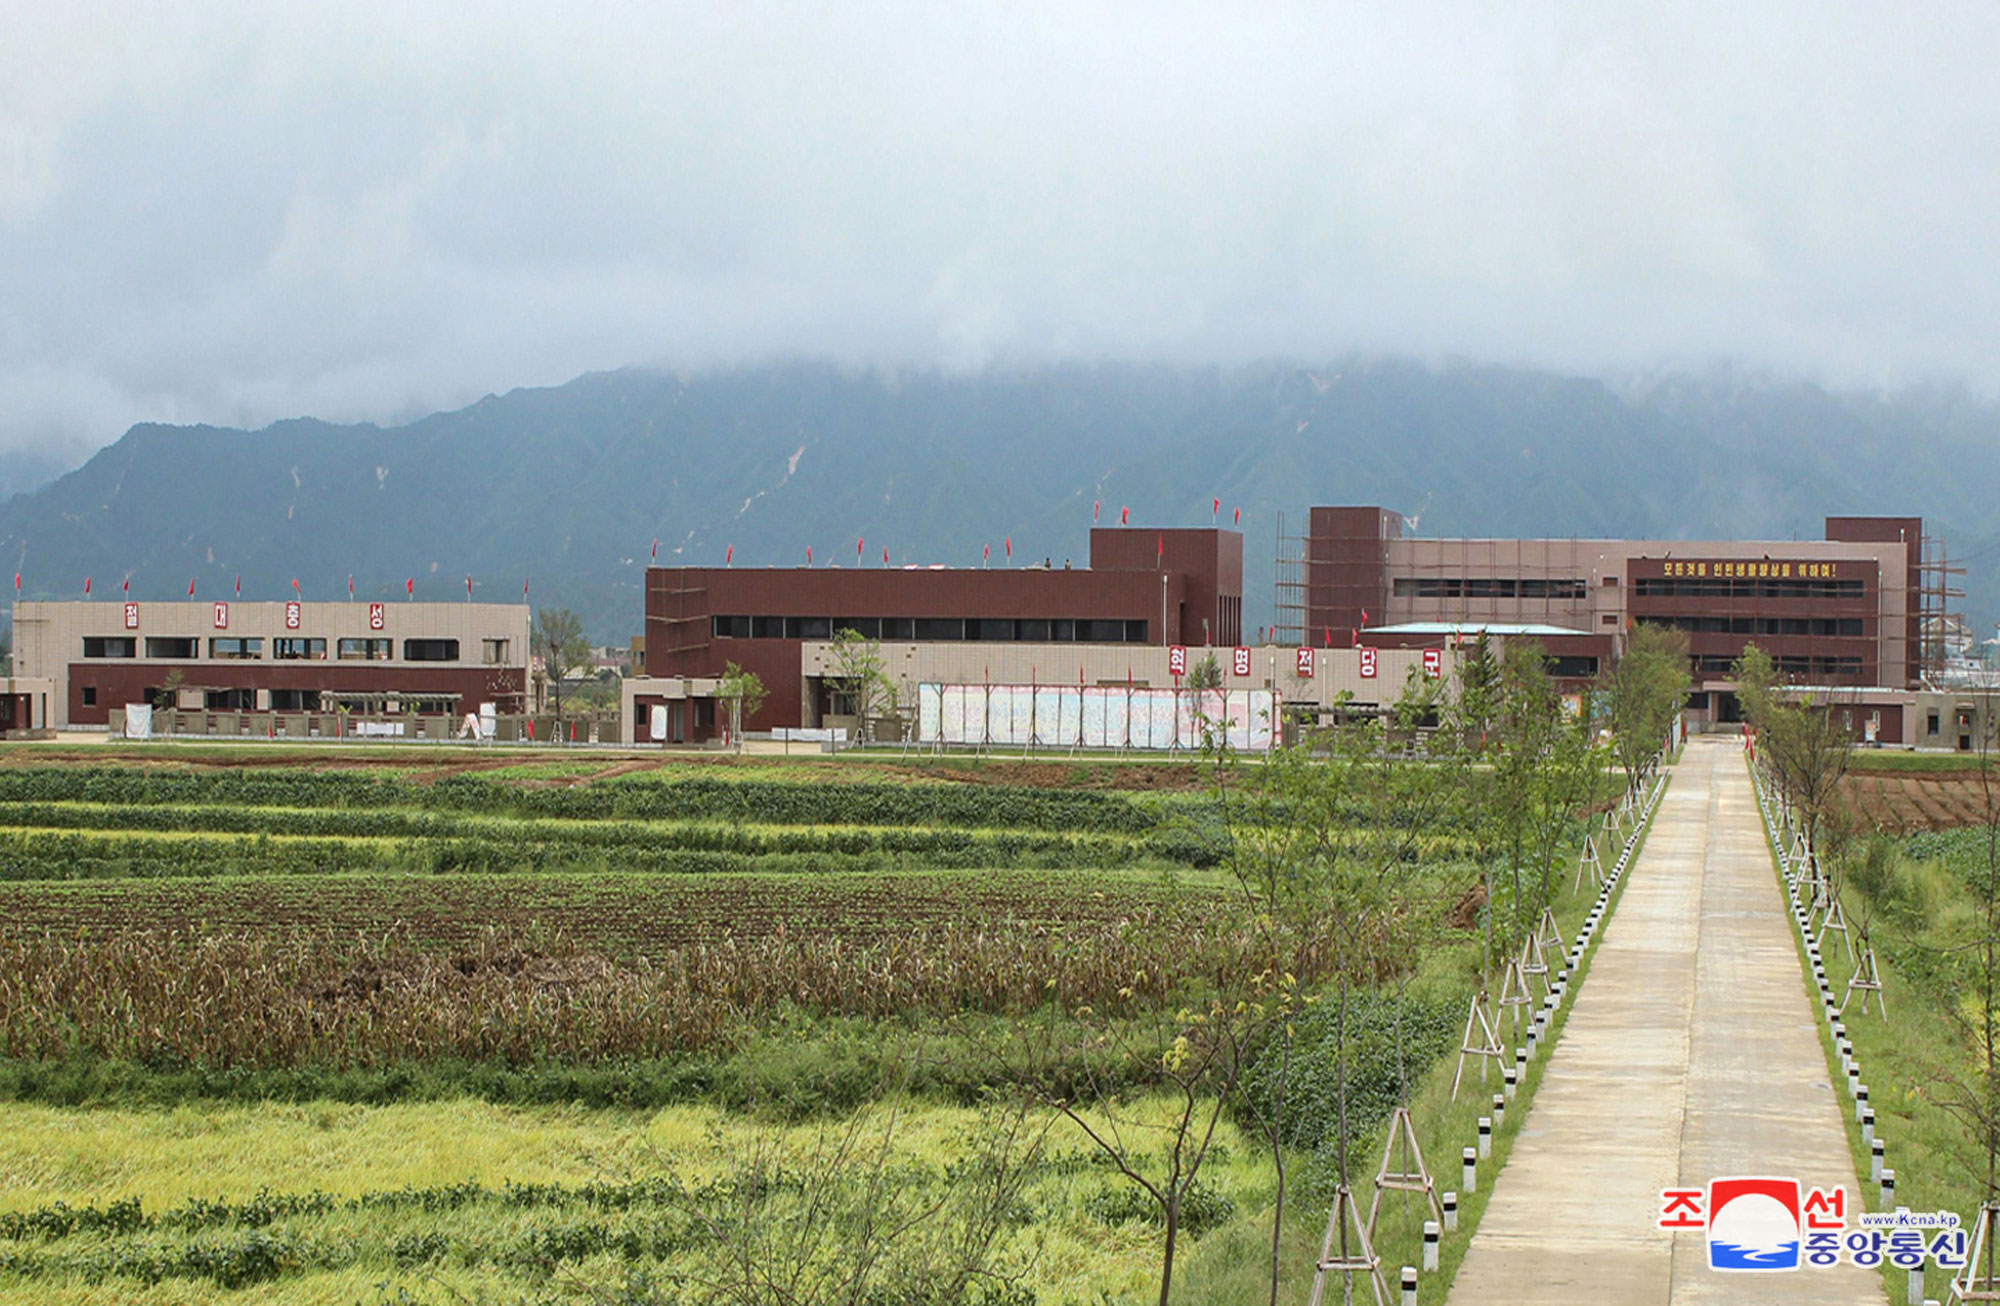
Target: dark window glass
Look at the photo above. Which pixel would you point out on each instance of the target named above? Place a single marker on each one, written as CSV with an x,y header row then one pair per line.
x,y
732,627
430,650
1063,632
294,700
767,627
808,628
1034,630
1135,632
940,628
866,627
90,700
110,646
293,649
899,628
988,628
172,646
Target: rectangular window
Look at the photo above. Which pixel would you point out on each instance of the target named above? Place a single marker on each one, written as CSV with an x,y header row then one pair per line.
x,y
730,627
1931,723
903,628
294,700
990,628
110,646
493,652
1033,631
293,649
364,650
1100,632
866,627
940,628
1062,631
808,628
90,700
230,700
430,650
236,647
767,627
172,646
1135,632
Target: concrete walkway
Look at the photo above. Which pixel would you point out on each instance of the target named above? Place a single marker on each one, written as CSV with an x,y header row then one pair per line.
x,y
1691,1053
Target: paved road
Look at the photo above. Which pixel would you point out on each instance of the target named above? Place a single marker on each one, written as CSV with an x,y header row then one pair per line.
x,y
1691,1053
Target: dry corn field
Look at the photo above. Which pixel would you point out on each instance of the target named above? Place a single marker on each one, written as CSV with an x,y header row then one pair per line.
x,y
1908,802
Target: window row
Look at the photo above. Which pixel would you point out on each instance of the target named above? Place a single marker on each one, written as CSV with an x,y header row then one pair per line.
x,y
1488,587
1667,587
1033,630
1710,664
1839,626
250,647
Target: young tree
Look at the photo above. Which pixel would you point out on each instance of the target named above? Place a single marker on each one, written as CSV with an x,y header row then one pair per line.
x,y
744,692
558,640
1643,691
861,675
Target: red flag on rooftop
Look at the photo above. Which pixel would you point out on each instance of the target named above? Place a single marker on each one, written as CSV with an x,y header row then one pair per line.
x,y
86,584
1163,546
728,554
1215,512
1329,636
190,587
656,548
1096,505
885,555
857,551
350,586
468,588
239,586
128,585
295,584
809,555
988,555
1239,516
410,587
1124,516
524,589
1010,548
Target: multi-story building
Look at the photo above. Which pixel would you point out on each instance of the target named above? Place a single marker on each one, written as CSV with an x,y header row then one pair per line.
x,y
1142,588
1844,611
375,658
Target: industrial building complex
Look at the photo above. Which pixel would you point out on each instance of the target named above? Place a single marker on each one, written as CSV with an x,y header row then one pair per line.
x,y
1097,655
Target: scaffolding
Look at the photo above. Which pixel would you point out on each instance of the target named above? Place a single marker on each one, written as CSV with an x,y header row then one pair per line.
x,y
1289,591
1936,621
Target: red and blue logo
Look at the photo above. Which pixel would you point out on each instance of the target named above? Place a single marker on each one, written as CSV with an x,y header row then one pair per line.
x,y
1753,1223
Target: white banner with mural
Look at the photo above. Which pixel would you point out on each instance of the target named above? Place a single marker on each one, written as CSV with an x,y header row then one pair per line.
x,y
1099,716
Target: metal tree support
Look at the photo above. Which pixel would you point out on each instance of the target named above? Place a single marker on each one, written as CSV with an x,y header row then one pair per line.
x,y
1589,864
1835,919
1867,979
1415,1177
1489,1045
1358,1258
1514,993
1977,1282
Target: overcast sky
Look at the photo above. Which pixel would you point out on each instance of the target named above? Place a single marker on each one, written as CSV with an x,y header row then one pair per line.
x,y
237,216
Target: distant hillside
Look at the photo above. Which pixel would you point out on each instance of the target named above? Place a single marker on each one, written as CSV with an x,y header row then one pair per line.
x,y
570,485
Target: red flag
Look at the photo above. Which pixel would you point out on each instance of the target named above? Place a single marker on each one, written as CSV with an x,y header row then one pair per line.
x,y
727,554
1357,638
128,585
524,589
468,589
1124,516
656,548
885,555
1163,547
1239,516
239,586
1329,636
350,585
190,587
988,555
410,587
1216,511
1010,548
809,555
295,584
86,584
1096,505
1364,616
857,551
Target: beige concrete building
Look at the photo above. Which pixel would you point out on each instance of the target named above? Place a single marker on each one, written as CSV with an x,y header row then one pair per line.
x,y
430,659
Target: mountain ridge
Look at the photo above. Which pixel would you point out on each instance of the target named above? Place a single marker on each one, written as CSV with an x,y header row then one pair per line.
x,y
567,486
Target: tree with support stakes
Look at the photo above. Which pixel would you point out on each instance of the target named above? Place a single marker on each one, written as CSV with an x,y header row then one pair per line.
x,y
559,642
744,692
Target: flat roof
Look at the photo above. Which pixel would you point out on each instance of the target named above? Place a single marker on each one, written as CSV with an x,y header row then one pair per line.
x,y
1502,628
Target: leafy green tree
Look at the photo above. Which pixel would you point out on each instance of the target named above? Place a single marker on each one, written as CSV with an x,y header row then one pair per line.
x,y
861,675
1205,674
558,640
1643,691
744,692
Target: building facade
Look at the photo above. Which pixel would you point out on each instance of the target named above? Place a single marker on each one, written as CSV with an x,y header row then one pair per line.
x,y
417,658
1843,611
1143,588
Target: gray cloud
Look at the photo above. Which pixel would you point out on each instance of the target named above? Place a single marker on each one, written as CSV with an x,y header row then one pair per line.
x,y
241,214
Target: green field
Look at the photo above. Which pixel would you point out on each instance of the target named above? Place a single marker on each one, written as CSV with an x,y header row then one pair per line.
x,y
354,1026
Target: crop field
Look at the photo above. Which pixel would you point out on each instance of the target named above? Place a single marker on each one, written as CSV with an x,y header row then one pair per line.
x,y
1904,802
